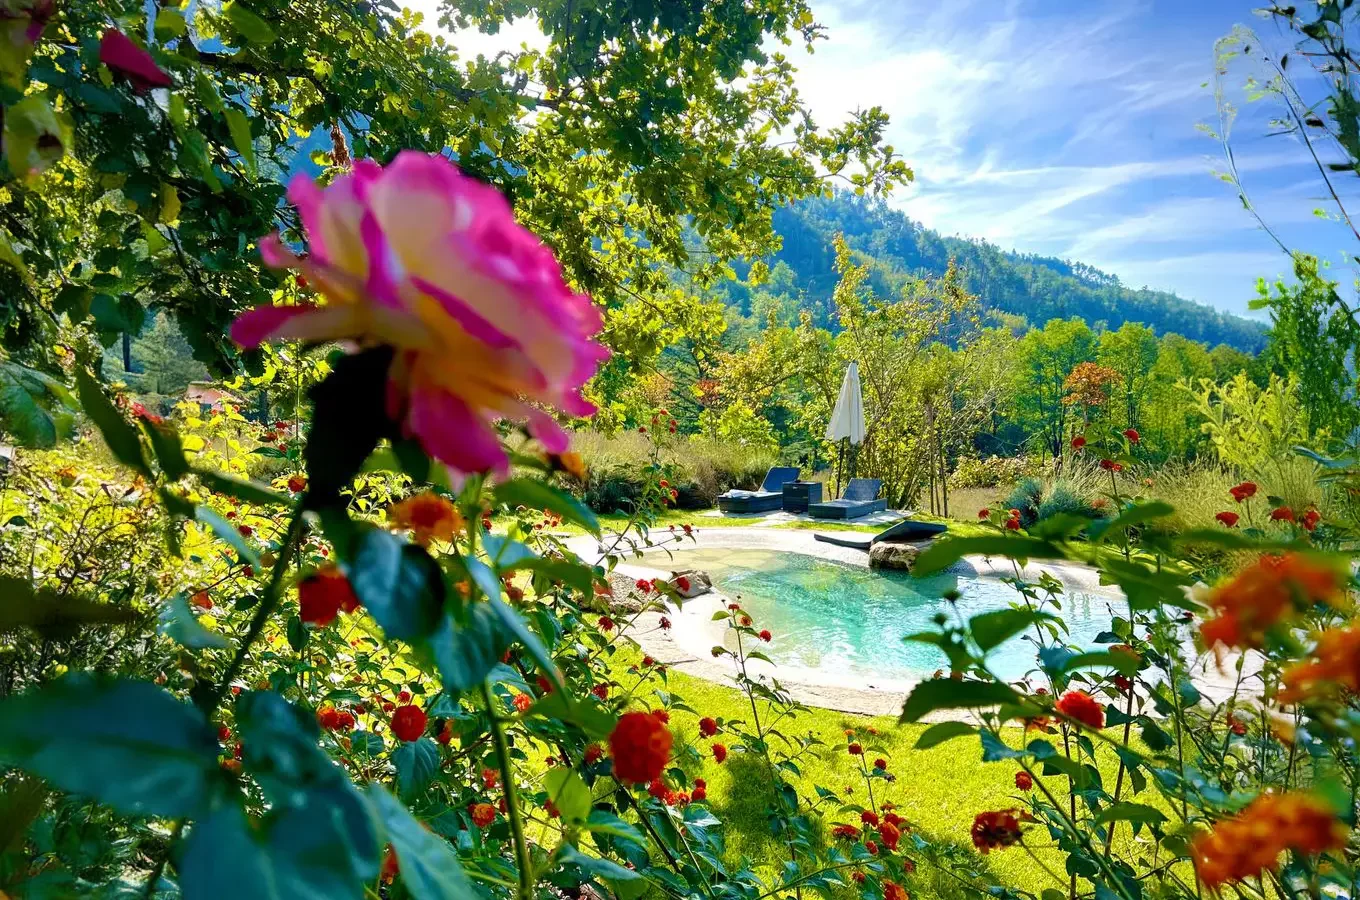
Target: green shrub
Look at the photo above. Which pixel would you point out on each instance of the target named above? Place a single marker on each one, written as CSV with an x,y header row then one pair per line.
x,y
698,468
971,472
1026,497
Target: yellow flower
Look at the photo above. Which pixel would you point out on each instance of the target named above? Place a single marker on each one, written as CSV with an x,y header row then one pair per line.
x,y
429,517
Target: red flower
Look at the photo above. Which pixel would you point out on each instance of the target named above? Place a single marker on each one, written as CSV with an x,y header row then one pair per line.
x,y
523,702
297,484
1131,434
245,530
765,635
1013,524
1082,707
700,794
1110,465
663,715
408,723
593,754
845,831
871,847
119,53
894,891
1243,491
857,877
648,662
403,696
445,732
855,750
682,583
490,778
1282,514
1023,781
880,763
483,814
719,753
202,600
1239,728
323,594
889,834
708,727
606,624
1123,683
641,746
687,528
1228,519
1078,442
869,817
984,514
664,624
644,586
600,690
996,829
1310,519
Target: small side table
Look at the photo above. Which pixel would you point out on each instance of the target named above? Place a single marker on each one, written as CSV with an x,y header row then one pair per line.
x,y
798,494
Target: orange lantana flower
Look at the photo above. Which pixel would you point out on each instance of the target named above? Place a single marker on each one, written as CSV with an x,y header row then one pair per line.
x,y
428,516
1335,663
1266,593
1251,842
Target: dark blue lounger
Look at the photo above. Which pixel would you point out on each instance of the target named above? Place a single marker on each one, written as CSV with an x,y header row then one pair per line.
x,y
769,497
906,530
861,498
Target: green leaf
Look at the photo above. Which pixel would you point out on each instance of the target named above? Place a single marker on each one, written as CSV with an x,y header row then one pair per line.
x,y
465,649
610,824
594,866
417,763
516,626
247,24
944,731
170,24
349,418
568,793
125,743
239,126
1124,663
945,693
119,435
430,869
178,622
324,843
227,532
537,495
297,634
28,406
399,584
47,612
596,721
249,491
990,629
35,137
165,444
946,551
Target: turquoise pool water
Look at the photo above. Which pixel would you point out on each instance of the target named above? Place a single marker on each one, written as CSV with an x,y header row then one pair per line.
x,y
848,620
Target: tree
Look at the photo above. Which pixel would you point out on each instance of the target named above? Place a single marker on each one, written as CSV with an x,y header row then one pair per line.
x,y
1131,351
636,130
1047,357
1314,338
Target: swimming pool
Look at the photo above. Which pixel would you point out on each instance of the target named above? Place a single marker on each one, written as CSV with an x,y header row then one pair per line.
x,y
849,621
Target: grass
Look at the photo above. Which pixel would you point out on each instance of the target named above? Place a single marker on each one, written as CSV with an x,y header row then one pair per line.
x,y
938,790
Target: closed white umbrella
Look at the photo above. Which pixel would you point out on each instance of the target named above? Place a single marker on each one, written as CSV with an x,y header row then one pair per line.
x,y
847,419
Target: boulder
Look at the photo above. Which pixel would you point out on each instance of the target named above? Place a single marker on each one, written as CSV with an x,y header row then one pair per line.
x,y
698,582
887,555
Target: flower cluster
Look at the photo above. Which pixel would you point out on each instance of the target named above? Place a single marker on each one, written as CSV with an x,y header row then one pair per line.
x,y
1333,665
997,829
428,516
1268,592
641,746
1251,842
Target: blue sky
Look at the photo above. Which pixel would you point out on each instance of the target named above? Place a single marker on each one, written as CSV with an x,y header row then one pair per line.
x,y
1068,128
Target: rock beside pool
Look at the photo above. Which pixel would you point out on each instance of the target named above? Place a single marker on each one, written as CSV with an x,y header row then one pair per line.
x,y
885,555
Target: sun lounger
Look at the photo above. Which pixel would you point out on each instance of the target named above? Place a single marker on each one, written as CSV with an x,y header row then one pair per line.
x,y
906,530
769,497
860,499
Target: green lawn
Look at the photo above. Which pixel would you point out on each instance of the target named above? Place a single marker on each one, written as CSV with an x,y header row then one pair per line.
x,y
938,790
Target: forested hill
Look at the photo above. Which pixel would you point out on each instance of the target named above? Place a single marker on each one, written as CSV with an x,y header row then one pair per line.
x,y
1036,287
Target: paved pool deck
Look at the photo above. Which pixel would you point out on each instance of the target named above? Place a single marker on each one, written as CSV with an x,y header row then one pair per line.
x,y
687,646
